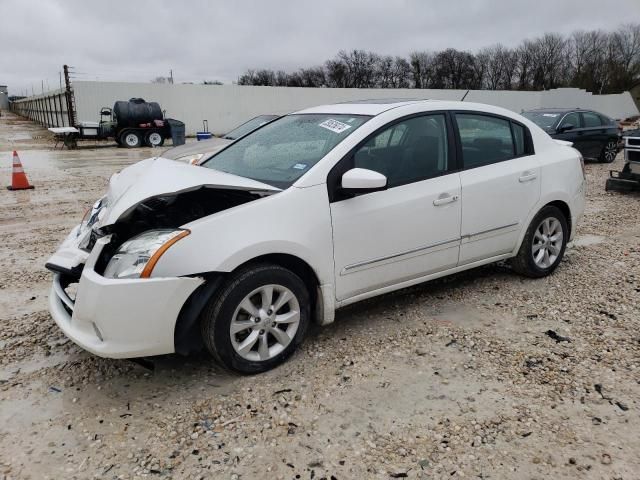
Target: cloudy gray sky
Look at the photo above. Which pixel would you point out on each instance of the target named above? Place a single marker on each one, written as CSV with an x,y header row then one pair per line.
x,y
137,40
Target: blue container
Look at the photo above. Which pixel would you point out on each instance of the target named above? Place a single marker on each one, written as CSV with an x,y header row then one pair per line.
x,y
203,135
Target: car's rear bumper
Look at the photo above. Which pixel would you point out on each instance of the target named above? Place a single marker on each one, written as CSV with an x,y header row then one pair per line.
x,y
577,207
120,318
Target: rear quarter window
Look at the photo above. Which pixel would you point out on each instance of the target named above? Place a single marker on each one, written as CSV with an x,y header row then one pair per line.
x,y
605,120
519,139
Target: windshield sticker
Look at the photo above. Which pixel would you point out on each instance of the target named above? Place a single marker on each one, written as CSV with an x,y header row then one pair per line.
x,y
552,115
300,166
334,125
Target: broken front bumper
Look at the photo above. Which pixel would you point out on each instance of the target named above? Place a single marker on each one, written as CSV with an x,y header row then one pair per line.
x,y
119,318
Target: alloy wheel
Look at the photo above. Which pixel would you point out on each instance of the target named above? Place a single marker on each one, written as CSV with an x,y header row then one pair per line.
x,y
547,242
610,151
265,322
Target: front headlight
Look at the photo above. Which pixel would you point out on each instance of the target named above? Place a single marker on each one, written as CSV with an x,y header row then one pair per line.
x,y
92,215
192,159
136,257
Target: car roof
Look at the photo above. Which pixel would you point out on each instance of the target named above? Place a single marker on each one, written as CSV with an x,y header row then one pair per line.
x,y
362,107
378,106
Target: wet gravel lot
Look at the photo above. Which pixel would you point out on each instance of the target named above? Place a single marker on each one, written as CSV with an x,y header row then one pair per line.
x,y
484,374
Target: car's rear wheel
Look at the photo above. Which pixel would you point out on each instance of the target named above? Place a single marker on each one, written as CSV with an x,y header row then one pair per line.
x,y
258,319
609,152
543,245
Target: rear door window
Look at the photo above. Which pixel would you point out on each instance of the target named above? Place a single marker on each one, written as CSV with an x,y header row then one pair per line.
x,y
484,139
591,120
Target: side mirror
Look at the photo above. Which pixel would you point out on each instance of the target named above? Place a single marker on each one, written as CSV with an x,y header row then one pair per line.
x,y
566,127
361,180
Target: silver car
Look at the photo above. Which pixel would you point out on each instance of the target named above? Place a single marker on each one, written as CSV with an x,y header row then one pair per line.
x,y
196,151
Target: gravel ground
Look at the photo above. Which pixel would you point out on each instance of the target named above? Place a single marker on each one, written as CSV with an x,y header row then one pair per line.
x,y
461,377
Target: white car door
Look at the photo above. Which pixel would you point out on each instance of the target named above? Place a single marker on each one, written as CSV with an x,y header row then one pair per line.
x,y
500,184
411,229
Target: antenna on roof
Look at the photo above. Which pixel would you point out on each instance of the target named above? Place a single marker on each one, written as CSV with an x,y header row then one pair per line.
x,y
465,95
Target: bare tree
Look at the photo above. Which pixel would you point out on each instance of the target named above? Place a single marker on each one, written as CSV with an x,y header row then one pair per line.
x,y
454,69
401,73
594,60
421,68
336,73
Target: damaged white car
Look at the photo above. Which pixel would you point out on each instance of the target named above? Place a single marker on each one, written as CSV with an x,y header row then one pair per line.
x,y
311,212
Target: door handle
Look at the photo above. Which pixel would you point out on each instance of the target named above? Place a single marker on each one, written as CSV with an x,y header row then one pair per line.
x,y
444,199
527,177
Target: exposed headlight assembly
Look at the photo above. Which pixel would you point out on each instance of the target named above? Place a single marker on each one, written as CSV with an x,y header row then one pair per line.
x,y
92,215
136,257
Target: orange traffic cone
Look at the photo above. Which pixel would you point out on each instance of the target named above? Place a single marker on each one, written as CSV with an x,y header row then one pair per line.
x,y
18,178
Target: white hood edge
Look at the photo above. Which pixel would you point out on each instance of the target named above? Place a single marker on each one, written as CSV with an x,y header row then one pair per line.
x,y
158,176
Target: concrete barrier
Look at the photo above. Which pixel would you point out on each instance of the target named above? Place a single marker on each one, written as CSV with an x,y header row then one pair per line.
x,y
226,106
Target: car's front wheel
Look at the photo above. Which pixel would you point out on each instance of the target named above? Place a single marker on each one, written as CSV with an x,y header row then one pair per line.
x,y
257,320
544,243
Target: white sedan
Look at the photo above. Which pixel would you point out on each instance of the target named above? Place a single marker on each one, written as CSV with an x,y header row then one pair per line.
x,y
309,213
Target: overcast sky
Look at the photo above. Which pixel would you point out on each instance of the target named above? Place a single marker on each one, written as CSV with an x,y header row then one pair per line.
x,y
218,40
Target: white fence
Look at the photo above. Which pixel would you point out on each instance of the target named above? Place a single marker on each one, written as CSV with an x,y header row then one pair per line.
x,y
226,106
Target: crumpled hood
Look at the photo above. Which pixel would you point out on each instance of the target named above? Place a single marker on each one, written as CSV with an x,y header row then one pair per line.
x,y
157,176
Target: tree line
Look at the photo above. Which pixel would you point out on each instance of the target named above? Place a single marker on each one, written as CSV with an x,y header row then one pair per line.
x,y
597,61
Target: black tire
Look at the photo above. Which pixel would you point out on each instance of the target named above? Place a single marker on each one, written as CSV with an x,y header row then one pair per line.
x,y
216,317
609,152
130,139
154,139
524,262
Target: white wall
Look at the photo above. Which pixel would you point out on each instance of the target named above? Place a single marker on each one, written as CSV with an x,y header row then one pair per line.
x,y
226,106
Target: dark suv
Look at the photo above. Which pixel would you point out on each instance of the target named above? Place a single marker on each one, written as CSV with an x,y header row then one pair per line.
x,y
593,134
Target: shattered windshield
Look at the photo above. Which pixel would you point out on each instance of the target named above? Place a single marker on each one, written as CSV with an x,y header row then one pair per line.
x,y
249,126
282,151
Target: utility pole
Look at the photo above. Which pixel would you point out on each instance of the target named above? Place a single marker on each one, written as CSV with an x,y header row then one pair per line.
x,y
71,109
